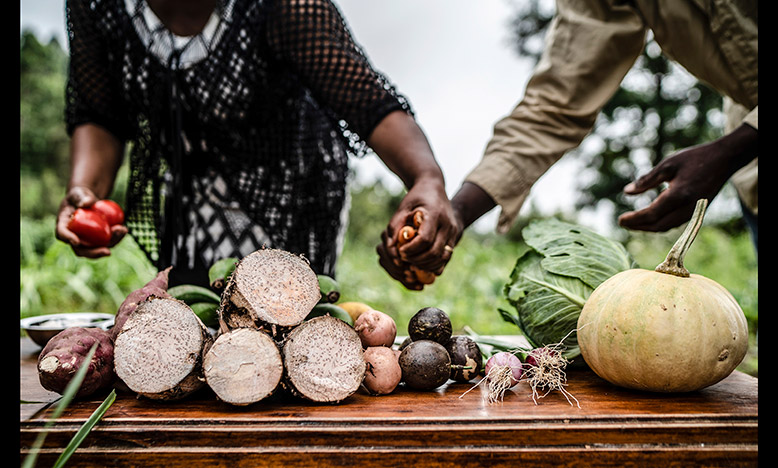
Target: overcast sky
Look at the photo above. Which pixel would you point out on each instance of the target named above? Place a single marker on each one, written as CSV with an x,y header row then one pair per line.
x,y
451,58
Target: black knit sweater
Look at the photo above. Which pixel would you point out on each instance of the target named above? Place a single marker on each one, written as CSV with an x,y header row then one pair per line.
x,y
238,137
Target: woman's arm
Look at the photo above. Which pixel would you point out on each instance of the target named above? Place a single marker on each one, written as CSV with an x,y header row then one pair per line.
x,y
313,39
403,147
96,155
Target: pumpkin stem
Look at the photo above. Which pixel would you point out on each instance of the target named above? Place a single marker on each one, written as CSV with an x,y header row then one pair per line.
x,y
673,264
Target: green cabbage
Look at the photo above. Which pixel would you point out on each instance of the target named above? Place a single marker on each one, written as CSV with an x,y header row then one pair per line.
x,y
553,279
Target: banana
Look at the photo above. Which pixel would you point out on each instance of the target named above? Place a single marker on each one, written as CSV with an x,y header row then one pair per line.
x,y
220,272
207,312
330,290
332,310
191,294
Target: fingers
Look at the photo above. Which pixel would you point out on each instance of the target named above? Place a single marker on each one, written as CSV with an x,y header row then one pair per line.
x,y
428,250
411,252
663,172
118,232
80,197
670,209
388,259
62,232
430,254
413,248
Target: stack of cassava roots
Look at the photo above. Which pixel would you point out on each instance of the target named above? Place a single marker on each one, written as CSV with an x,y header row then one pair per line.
x,y
266,341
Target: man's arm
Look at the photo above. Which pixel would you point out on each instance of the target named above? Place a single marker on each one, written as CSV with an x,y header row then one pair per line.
x,y
590,47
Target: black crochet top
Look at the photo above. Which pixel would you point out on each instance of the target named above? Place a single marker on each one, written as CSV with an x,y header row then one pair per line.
x,y
238,137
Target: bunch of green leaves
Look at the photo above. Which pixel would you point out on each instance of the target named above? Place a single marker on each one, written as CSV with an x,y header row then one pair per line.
x,y
553,279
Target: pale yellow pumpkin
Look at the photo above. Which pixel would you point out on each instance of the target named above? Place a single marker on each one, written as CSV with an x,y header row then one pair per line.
x,y
664,330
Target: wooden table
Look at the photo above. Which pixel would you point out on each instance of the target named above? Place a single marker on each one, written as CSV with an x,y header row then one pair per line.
x,y
613,427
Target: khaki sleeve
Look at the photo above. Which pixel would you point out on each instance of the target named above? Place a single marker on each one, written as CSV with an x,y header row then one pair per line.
x,y
745,180
736,114
752,118
590,47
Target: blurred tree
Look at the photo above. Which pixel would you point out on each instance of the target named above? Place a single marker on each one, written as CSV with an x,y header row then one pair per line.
x,y
43,141
659,109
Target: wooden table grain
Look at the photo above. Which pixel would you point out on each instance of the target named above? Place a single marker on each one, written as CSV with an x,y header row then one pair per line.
x,y
448,427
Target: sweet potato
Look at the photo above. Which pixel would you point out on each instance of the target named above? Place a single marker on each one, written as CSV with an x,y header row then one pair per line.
x,y
156,287
64,354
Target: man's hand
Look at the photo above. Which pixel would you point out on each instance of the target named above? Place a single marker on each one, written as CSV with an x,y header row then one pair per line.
x,y
691,174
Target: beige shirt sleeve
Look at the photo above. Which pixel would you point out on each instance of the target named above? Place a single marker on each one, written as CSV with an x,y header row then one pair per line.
x,y
752,118
746,180
590,47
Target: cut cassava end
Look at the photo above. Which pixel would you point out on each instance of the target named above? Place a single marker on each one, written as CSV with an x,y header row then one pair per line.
x,y
270,287
159,351
324,360
243,366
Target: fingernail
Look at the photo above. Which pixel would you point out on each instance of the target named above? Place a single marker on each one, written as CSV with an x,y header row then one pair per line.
x,y
630,187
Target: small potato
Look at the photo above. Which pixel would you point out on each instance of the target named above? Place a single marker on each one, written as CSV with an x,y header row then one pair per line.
x,y
383,370
375,328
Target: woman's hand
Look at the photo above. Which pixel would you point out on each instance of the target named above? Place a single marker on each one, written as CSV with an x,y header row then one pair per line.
x,y
431,248
82,197
403,147
96,155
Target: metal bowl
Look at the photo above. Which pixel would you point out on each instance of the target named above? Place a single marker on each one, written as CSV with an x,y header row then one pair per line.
x,y
42,327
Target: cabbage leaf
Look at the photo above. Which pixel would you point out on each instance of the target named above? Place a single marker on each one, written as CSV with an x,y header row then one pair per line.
x,y
551,281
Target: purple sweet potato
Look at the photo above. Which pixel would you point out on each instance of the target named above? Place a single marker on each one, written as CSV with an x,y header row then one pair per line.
x,y
64,354
156,287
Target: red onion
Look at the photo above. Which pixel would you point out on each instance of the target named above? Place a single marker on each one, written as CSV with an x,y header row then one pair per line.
x,y
540,354
505,367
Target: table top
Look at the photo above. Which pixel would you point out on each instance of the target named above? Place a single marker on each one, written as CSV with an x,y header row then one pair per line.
x,y
454,425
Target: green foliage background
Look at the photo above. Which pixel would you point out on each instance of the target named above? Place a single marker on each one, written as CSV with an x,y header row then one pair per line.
x,y
54,280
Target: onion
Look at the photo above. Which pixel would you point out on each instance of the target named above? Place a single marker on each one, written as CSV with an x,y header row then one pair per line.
x,y
546,371
537,356
503,371
504,365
